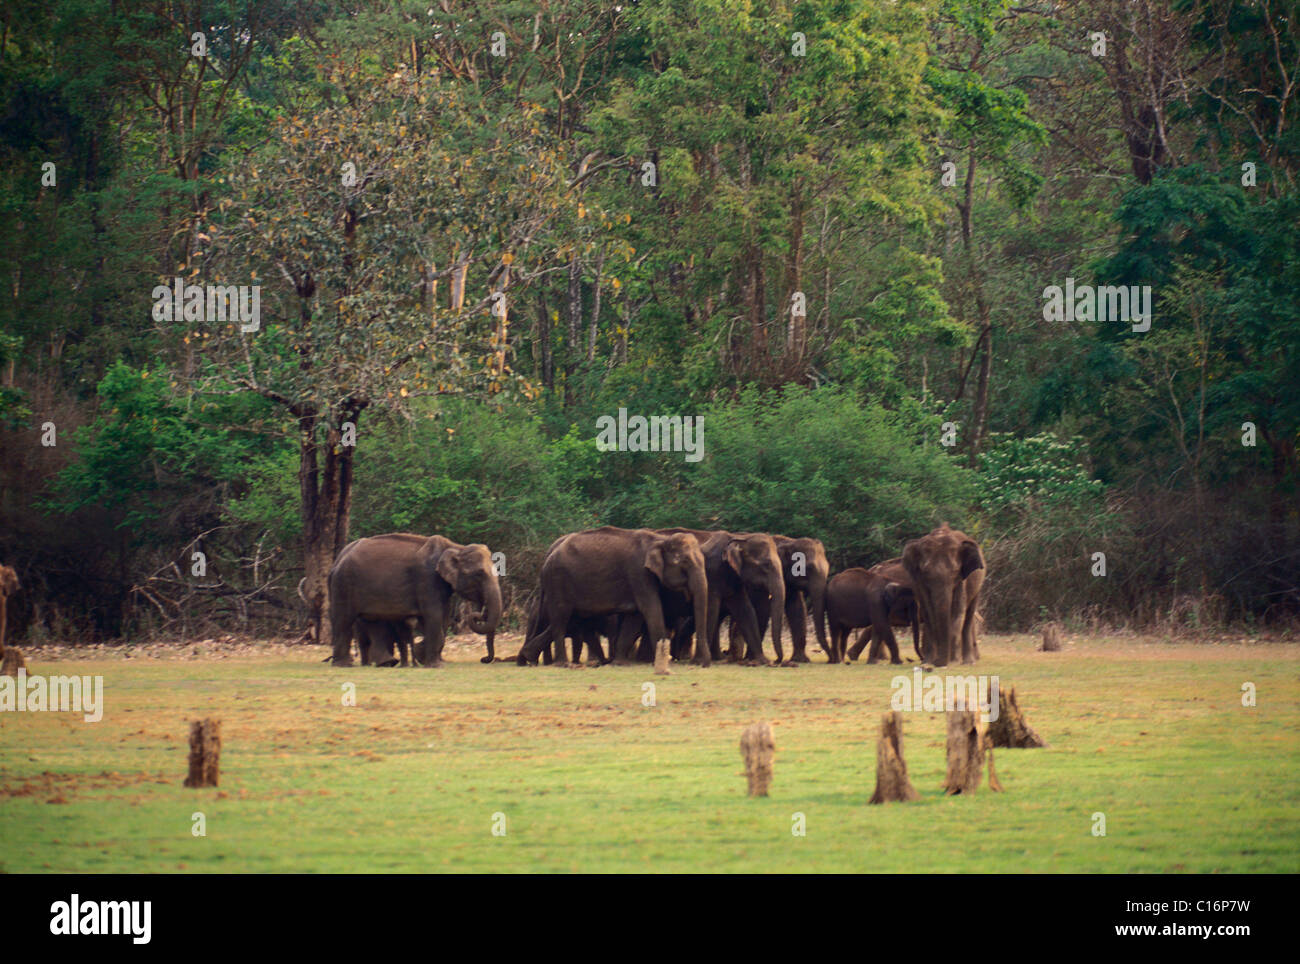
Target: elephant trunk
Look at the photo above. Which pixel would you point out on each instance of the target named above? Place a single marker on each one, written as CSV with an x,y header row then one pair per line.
x,y
817,599
486,622
776,588
699,587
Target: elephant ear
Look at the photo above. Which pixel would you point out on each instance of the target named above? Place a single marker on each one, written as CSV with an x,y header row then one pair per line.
x,y
970,558
735,556
890,594
449,568
654,561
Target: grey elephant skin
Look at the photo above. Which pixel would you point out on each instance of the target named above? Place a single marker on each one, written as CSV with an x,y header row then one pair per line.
x,y
740,568
859,597
401,574
807,572
947,571
613,571
903,611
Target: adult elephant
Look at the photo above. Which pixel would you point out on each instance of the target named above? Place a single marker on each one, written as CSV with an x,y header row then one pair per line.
x,y
860,597
903,611
393,576
741,567
947,572
806,571
612,571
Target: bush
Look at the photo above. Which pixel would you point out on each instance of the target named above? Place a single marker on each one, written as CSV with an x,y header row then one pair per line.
x,y
808,462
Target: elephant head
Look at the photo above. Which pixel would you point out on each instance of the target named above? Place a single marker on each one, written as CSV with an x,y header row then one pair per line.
x,y
755,559
807,570
677,562
469,571
945,568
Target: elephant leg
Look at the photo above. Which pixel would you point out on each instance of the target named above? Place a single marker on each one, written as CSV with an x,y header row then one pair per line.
x,y
405,640
856,649
742,613
762,604
645,650
886,631
362,633
733,633
629,629
682,643
796,617
341,626
595,652
434,629
652,612
878,643
379,637
837,633
969,647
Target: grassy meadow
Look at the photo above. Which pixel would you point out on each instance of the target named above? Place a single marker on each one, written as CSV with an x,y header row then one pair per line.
x,y
1150,733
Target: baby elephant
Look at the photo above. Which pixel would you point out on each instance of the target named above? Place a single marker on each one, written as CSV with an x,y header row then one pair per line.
x,y
859,597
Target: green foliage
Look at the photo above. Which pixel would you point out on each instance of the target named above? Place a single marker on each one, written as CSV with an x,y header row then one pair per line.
x,y
1024,472
810,463
159,466
473,474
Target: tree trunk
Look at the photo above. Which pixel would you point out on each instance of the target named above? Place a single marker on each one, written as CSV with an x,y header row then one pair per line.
x,y
892,783
1010,728
326,506
12,661
965,753
1051,639
573,332
758,747
205,753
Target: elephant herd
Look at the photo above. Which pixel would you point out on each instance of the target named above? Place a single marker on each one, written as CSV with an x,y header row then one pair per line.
x,y
656,593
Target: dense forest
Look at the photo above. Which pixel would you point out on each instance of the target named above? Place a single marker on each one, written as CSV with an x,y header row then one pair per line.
x,y
830,229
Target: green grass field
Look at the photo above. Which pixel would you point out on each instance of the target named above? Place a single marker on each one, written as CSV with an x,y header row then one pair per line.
x,y
1152,734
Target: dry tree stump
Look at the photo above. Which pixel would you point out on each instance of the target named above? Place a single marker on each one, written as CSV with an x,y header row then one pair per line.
x,y
994,783
12,661
205,753
758,747
1010,728
1051,638
965,753
891,770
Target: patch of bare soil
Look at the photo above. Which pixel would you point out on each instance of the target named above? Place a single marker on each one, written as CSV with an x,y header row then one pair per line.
x,y
53,786
465,646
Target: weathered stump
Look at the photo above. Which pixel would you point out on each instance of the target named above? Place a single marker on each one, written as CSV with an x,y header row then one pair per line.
x,y
965,753
205,753
891,770
12,661
758,747
994,783
1010,728
1051,638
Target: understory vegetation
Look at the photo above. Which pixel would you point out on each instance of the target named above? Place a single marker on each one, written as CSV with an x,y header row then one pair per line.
x,y
825,227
